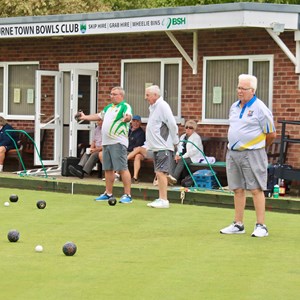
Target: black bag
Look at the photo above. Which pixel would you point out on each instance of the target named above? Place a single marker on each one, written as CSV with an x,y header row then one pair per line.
x,y
66,162
272,178
187,181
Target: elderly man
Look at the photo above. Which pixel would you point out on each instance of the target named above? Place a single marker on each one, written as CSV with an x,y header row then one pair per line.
x,y
116,118
251,129
161,137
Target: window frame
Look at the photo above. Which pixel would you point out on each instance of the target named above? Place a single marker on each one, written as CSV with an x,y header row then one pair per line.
x,y
163,62
251,59
5,66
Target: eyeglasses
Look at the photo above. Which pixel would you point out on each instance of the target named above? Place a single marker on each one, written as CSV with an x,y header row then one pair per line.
x,y
189,127
243,89
114,94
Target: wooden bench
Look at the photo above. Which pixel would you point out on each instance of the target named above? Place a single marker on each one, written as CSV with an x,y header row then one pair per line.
x,y
213,147
26,151
217,147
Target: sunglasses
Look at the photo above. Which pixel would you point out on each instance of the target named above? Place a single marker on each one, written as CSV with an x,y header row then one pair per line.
x,y
189,127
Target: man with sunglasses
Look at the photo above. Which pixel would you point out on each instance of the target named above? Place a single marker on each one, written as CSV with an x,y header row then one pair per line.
x,y
251,130
116,118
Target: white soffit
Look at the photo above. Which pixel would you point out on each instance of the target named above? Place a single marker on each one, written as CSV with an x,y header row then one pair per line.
x,y
234,19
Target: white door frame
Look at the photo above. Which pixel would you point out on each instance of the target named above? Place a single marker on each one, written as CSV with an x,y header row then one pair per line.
x,y
55,121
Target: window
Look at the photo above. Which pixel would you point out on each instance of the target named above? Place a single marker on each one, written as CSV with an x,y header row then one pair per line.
x,y
139,74
17,90
220,76
1,89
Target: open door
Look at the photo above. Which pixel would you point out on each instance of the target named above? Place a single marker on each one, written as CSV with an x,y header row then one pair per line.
x,y
48,118
59,95
83,97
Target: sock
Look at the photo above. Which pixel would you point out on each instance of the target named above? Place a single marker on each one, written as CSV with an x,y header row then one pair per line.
x,y
1,168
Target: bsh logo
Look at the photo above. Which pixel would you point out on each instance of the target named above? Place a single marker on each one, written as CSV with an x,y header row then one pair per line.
x,y
175,22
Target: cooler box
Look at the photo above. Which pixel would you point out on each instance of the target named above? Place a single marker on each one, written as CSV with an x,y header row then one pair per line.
x,y
66,162
205,179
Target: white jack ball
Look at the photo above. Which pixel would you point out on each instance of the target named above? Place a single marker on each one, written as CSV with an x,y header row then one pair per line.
x,y
39,248
6,203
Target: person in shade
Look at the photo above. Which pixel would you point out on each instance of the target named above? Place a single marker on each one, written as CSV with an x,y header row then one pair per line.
x,y
116,119
6,143
251,130
89,160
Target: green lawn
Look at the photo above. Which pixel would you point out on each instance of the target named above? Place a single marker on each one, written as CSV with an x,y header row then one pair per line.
x,y
135,252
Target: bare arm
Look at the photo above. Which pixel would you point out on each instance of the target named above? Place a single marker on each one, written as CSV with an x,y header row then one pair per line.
x,y
93,117
270,138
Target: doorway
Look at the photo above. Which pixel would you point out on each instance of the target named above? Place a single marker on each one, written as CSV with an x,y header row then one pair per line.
x,y
60,94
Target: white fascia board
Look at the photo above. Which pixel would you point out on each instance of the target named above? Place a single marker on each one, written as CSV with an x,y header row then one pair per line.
x,y
234,19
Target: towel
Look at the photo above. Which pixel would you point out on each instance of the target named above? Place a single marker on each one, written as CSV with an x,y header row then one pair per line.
x,y
209,159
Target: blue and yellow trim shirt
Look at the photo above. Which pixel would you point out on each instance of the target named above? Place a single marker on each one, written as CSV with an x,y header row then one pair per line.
x,y
248,125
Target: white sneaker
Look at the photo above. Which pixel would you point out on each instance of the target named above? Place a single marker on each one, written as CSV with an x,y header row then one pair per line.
x,y
159,203
260,230
117,177
171,180
233,229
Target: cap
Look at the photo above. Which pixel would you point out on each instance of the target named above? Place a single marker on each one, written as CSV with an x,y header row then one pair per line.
x,y
137,117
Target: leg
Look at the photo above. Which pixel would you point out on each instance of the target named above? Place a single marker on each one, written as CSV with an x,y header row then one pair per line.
x,y
109,181
239,204
2,154
126,179
91,162
2,157
137,165
259,201
162,185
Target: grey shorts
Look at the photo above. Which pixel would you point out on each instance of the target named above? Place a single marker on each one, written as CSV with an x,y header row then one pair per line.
x,y
247,169
114,157
162,161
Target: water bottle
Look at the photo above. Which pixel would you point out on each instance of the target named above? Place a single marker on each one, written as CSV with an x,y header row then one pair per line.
x,y
276,191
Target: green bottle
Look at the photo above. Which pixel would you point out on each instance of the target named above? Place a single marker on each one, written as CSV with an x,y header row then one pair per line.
x,y
276,191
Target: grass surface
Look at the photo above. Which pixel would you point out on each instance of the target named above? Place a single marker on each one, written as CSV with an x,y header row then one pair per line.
x,y
135,252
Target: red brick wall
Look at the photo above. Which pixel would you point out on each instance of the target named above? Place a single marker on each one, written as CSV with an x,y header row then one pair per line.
x,y
108,50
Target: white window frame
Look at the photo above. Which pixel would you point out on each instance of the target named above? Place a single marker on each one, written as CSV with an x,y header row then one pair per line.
x,y
162,61
5,66
251,59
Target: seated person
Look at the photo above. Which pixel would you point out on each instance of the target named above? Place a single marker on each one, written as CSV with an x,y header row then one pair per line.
x,y
89,160
138,154
188,151
6,142
136,135
136,139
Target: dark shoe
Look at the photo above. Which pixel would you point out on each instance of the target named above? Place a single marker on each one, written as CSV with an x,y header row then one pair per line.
x,y
76,172
134,181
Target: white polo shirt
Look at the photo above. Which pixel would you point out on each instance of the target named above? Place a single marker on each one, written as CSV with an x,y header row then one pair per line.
x,y
249,125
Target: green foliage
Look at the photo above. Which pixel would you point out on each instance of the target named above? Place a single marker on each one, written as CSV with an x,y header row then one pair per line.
x,y
13,8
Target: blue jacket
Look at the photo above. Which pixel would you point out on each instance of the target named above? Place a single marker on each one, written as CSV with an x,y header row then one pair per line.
x,y
5,140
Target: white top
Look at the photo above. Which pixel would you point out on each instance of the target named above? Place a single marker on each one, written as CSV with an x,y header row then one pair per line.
x,y
191,151
249,125
162,130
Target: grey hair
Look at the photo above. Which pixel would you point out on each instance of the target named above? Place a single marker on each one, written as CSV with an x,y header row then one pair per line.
x,y
2,121
120,89
154,89
251,79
